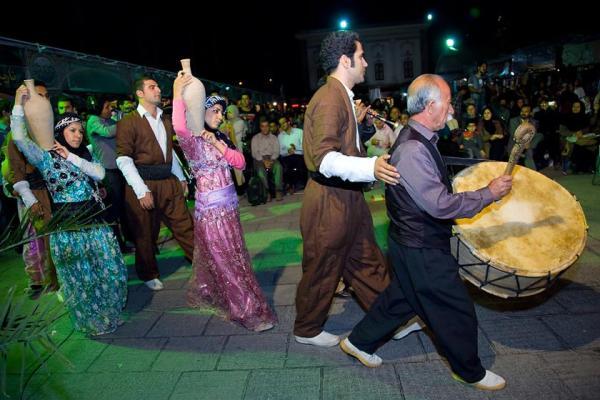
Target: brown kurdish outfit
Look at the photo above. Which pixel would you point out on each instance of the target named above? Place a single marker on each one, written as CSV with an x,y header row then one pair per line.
x,y
335,222
136,139
22,170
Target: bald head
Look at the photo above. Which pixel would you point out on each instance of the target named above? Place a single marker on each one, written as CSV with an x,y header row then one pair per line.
x,y
429,101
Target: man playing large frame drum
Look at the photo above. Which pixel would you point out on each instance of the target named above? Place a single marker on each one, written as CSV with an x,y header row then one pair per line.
x,y
425,280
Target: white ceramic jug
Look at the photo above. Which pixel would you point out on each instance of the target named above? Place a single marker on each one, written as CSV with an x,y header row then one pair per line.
x,y
39,116
194,96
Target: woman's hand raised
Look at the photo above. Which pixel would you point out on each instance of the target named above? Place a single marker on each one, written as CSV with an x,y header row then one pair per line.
x,y
61,150
180,83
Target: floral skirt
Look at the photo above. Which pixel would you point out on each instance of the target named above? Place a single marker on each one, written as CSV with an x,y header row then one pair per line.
x,y
92,276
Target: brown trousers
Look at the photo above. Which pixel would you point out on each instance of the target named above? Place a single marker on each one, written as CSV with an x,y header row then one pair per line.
x,y
170,208
337,230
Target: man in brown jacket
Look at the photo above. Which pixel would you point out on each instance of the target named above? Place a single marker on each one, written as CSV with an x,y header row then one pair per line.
x,y
156,184
28,184
335,222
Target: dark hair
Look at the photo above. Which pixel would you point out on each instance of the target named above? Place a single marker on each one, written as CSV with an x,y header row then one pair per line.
x,y
581,107
37,82
138,84
59,134
5,106
488,108
335,45
471,121
124,98
378,104
99,104
64,97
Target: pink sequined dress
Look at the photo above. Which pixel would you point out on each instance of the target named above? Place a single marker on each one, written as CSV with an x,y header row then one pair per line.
x,y
222,274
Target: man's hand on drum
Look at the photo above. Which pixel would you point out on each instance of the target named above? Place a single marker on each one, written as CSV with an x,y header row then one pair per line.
x,y
500,186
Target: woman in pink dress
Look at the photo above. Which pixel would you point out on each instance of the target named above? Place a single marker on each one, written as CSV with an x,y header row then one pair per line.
x,y
222,274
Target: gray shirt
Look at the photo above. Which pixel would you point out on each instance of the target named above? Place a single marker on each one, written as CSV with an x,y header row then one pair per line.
x,y
264,145
421,178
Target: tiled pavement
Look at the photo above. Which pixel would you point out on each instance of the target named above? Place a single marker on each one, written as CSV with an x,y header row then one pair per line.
x,y
547,347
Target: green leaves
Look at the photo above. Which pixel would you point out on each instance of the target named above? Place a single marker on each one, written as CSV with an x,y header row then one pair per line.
x,y
27,331
61,220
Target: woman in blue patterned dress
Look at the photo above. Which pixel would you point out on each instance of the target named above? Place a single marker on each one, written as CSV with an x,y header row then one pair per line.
x,y
89,264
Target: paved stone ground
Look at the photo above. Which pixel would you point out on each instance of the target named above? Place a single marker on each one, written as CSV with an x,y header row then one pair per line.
x,y
547,346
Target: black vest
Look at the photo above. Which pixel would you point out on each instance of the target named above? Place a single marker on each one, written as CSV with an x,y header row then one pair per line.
x,y
411,226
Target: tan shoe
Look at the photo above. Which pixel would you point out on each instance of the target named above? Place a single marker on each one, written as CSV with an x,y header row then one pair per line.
x,y
263,326
490,381
369,360
323,339
154,284
414,324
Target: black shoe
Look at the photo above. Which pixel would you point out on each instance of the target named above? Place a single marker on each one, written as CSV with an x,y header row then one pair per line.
x,y
34,291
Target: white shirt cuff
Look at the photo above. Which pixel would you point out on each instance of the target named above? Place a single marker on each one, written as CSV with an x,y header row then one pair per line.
x,y
132,176
176,168
92,169
22,188
74,159
353,169
18,110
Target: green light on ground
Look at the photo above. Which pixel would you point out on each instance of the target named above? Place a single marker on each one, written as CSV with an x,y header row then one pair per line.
x,y
247,216
283,209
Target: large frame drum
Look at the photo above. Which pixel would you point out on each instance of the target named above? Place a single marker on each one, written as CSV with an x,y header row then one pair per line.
x,y
521,244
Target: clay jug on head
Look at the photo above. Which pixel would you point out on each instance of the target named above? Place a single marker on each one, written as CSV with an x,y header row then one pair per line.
x,y
39,117
194,96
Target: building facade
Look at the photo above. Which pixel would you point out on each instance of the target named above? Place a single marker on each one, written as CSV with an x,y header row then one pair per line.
x,y
395,54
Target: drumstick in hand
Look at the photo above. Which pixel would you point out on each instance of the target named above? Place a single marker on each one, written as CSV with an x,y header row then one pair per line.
x,y
523,135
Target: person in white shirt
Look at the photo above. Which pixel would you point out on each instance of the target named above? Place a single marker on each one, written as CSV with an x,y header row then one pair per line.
x,y
291,155
380,142
400,124
156,187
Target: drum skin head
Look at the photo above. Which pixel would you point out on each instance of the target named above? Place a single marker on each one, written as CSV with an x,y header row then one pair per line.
x,y
537,230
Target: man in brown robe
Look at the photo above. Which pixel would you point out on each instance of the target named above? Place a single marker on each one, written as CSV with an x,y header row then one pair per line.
x,y
335,222
29,185
156,185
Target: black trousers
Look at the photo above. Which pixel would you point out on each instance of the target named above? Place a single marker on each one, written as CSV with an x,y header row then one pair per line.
x,y
294,170
425,282
115,188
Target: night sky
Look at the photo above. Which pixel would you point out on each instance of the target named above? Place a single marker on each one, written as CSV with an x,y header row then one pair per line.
x,y
252,43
